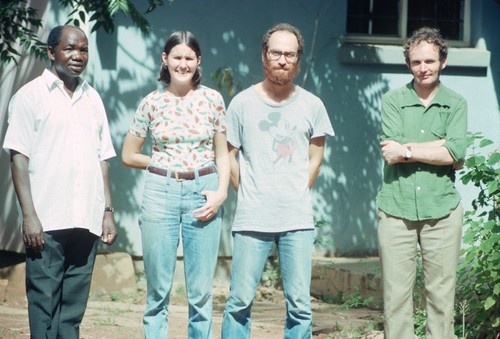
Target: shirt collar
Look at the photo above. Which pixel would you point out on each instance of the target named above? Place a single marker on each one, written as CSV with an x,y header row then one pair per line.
x,y
410,98
52,82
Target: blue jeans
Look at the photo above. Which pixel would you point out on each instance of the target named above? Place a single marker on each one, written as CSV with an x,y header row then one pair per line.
x,y
250,253
165,213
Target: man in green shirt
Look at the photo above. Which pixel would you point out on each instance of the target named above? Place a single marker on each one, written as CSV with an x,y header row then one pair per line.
x,y
423,141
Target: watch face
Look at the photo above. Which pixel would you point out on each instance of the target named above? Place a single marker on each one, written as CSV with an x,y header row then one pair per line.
x,y
407,154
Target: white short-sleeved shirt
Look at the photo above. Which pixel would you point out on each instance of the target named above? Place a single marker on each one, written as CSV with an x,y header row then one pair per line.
x,y
273,195
65,140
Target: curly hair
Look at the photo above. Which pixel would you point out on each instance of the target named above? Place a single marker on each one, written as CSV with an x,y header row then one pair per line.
x,y
178,38
287,28
430,35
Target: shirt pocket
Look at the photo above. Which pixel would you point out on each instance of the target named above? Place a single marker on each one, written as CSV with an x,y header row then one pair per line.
x,y
438,128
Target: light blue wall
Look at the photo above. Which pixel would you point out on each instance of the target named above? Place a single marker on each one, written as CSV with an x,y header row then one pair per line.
x,y
230,35
124,67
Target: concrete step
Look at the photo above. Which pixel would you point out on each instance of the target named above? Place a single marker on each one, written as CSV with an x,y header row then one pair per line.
x,y
119,273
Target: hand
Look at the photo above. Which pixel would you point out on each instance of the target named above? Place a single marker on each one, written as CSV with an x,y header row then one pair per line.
x,y
33,234
109,233
392,151
211,207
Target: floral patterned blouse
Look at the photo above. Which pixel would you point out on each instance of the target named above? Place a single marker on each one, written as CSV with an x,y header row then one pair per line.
x,y
181,128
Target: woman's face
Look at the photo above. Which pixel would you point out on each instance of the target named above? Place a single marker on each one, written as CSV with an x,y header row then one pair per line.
x,y
182,63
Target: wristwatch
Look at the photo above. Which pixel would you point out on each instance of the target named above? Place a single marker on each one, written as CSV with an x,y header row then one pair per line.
x,y
109,209
408,153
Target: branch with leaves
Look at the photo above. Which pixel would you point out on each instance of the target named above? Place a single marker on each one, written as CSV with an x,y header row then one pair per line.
x,y
19,23
18,26
479,274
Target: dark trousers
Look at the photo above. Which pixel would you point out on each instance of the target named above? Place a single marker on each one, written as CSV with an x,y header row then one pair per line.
x,y
58,283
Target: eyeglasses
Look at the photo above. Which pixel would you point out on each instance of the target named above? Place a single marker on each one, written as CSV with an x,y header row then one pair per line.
x,y
276,55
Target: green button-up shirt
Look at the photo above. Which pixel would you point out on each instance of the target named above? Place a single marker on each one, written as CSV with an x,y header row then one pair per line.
x,y
419,191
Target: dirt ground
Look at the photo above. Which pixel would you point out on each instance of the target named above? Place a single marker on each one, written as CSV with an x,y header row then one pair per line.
x,y
117,317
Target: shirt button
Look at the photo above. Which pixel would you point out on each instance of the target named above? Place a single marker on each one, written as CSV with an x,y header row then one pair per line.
x,y
419,169
418,188
422,131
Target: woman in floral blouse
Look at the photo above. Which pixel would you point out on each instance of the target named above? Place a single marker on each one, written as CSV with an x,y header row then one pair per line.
x,y
186,183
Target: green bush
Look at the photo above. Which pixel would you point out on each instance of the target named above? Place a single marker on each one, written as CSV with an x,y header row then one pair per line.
x,y
478,283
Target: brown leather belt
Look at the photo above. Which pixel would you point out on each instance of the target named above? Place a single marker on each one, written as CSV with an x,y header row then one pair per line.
x,y
179,176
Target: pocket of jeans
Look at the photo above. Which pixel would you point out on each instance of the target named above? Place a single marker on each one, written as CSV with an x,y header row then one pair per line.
x,y
154,198
209,182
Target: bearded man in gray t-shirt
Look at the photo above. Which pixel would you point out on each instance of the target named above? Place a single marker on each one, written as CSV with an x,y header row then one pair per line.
x,y
276,135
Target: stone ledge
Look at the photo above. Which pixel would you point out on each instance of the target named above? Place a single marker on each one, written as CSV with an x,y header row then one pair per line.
x,y
331,280
393,55
113,273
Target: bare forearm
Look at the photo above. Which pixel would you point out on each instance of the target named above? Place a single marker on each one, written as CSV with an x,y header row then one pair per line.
x,y
235,174
105,177
434,143
314,169
316,150
131,152
234,167
22,185
109,233
139,161
223,171
32,227
433,155
223,163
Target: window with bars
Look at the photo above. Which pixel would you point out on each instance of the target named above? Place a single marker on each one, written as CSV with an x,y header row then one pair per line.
x,y
392,21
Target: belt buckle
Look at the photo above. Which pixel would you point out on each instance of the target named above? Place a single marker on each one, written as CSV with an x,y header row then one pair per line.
x,y
176,174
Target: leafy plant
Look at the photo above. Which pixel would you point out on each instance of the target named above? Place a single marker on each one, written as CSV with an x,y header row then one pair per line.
x,y
224,78
420,321
479,274
419,312
18,26
461,330
318,224
356,300
180,290
115,296
272,274
103,12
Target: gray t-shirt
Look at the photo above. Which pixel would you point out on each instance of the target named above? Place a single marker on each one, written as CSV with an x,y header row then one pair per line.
x,y
273,140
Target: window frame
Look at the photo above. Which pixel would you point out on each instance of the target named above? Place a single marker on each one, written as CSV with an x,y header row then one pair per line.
x,y
404,35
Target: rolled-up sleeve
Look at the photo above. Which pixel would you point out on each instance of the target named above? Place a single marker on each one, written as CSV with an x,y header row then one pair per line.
x,y
456,131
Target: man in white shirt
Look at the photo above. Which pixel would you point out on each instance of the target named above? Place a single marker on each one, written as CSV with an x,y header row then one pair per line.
x,y
59,141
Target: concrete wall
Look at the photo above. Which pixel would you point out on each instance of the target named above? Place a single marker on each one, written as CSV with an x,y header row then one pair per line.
x,y
124,67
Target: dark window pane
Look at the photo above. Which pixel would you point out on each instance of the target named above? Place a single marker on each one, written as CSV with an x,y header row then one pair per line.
x,y
373,17
446,15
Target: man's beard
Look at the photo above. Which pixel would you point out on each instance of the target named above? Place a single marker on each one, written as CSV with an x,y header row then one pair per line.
x,y
279,76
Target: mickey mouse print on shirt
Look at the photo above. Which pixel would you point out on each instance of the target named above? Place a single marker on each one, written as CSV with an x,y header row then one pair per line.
x,y
280,130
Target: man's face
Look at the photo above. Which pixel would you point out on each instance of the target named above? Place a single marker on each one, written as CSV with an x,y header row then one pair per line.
x,y
69,58
425,65
281,62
